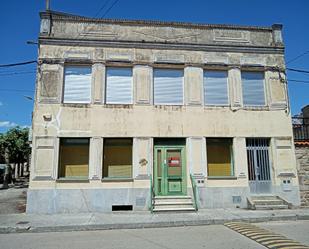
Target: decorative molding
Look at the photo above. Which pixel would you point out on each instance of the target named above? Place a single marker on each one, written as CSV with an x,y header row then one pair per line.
x,y
278,106
77,55
226,35
157,45
287,174
119,56
253,60
105,34
61,16
218,59
169,58
168,36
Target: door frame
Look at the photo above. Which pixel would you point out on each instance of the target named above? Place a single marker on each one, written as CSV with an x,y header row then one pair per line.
x,y
256,185
164,170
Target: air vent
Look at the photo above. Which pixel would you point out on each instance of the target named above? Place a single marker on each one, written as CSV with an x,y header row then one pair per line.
x,y
122,208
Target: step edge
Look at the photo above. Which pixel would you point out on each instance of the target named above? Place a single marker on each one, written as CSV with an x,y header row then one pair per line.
x,y
174,209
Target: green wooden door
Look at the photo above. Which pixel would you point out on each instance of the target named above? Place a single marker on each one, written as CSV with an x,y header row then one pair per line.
x,y
170,170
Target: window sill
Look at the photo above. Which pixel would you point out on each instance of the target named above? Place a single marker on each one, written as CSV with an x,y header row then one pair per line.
x,y
117,180
256,108
209,106
119,105
77,105
168,105
75,180
221,178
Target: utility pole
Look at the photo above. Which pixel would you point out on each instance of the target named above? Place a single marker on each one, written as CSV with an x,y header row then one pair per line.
x,y
47,5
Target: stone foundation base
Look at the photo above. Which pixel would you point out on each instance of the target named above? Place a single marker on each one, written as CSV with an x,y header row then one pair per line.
x,y
49,201
85,200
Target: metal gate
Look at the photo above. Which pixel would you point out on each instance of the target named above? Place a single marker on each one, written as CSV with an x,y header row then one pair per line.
x,y
258,165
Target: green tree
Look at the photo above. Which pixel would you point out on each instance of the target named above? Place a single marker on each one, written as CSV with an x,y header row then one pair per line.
x,y
2,148
15,142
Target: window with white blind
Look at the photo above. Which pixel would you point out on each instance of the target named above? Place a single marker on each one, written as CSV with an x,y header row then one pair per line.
x,y
119,85
216,88
77,84
168,86
253,88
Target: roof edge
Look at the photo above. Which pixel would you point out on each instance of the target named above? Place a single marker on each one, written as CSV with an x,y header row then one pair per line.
x,y
71,17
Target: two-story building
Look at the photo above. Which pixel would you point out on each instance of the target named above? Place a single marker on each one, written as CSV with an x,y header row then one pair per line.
x,y
138,115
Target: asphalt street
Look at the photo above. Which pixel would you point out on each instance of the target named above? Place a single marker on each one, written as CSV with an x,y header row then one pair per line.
x,y
212,236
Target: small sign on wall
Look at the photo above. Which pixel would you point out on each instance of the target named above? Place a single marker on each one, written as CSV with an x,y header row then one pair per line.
x,y
242,175
174,162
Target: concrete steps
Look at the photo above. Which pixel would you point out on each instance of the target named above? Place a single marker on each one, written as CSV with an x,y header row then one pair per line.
x,y
173,204
271,207
267,202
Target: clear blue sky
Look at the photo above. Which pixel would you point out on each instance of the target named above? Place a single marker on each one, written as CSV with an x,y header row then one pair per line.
x,y
19,22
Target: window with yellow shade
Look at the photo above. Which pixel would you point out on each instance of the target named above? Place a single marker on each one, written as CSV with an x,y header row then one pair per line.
x,y
117,158
74,158
219,157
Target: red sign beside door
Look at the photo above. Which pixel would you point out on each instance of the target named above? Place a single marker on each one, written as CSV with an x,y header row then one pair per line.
x,y
174,162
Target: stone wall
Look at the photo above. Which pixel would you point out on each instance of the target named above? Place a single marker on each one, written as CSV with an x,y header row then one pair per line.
x,y
302,156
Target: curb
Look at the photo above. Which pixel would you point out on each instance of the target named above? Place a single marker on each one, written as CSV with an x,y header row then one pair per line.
x,y
93,227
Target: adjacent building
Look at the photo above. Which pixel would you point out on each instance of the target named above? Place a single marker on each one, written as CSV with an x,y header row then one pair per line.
x,y
301,141
129,113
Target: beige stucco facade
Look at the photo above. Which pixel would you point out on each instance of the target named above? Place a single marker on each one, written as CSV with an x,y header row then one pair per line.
x,y
145,46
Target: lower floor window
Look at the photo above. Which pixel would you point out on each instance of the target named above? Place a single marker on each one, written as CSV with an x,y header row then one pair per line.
x,y
74,158
117,160
219,157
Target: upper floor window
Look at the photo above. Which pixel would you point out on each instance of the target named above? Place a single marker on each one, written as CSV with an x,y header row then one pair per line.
x,y
168,86
77,84
253,88
119,85
215,88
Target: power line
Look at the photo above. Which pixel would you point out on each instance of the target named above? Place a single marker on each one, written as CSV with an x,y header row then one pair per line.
x,y
97,21
297,70
18,64
13,71
103,6
106,12
15,90
300,81
297,57
16,73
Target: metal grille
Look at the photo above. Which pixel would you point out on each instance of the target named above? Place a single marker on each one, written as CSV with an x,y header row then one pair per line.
x,y
300,128
258,165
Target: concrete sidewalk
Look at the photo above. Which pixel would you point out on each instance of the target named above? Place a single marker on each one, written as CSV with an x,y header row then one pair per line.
x,y
14,223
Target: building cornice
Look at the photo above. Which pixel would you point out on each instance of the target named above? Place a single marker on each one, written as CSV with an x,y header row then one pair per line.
x,y
157,45
76,18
